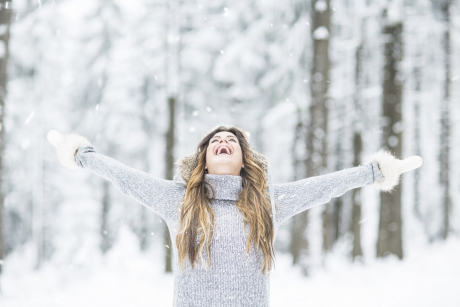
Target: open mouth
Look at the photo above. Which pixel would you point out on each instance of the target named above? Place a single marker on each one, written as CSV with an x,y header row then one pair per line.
x,y
223,150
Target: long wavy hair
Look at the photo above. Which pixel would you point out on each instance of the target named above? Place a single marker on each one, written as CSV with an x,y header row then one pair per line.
x,y
197,217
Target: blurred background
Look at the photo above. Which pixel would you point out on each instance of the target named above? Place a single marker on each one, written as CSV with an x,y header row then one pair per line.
x,y
319,84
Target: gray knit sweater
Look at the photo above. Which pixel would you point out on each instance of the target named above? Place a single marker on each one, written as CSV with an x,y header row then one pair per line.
x,y
231,281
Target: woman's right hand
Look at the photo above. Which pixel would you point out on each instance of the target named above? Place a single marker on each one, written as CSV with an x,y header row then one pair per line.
x,y
67,146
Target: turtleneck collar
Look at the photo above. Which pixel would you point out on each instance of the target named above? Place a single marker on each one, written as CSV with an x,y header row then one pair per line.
x,y
226,186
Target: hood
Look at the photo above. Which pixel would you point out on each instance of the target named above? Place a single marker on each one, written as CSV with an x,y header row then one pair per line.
x,y
187,164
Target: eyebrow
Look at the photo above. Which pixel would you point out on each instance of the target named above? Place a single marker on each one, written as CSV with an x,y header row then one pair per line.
x,y
218,136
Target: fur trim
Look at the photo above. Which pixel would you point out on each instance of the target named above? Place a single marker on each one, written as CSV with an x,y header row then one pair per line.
x,y
390,168
187,164
66,147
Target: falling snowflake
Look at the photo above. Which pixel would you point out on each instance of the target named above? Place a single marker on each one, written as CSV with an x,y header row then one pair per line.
x,y
29,117
321,33
393,141
321,6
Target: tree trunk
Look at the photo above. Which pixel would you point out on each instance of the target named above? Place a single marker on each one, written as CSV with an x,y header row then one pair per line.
x,y
149,126
169,174
298,246
317,145
358,125
5,21
445,124
390,224
418,87
105,234
357,250
316,136
172,83
335,218
143,229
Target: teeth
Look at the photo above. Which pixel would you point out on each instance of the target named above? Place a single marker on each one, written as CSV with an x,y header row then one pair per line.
x,y
222,148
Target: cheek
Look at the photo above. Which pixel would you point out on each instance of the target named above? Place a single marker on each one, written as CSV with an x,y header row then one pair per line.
x,y
208,152
238,150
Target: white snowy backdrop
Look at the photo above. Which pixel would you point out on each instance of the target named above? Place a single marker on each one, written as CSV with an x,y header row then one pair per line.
x,y
105,69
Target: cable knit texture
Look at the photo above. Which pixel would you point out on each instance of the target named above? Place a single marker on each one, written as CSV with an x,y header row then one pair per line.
x,y
230,280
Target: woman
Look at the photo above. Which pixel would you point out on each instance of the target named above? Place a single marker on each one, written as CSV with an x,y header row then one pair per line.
x,y
222,210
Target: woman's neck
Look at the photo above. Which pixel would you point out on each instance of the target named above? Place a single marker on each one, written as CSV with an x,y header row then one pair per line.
x,y
226,186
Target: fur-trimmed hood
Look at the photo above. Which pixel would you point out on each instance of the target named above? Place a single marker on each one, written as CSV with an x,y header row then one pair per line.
x,y
187,164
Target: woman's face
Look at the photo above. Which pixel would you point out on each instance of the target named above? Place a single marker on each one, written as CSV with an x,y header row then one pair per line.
x,y
224,155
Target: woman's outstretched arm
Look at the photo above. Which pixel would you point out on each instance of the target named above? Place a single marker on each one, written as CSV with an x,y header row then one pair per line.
x,y
160,195
384,171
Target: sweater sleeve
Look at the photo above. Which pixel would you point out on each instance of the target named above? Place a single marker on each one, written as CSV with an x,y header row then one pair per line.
x,y
295,197
160,195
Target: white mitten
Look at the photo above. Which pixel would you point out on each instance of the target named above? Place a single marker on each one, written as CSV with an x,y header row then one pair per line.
x,y
66,146
392,168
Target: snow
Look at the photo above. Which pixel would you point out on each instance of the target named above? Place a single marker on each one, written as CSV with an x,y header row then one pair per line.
x,y
395,11
320,6
108,82
31,115
321,33
428,276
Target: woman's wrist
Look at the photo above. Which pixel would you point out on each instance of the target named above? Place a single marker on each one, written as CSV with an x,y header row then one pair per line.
x,y
67,147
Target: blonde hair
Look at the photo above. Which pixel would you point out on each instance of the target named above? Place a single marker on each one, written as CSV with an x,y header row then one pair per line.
x,y
197,217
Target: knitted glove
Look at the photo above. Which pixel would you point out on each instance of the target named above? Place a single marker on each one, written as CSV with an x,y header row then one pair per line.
x,y
67,146
392,168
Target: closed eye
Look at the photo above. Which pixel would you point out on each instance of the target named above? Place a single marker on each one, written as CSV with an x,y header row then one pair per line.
x,y
230,140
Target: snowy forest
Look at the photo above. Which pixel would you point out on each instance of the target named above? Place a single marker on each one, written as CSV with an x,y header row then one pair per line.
x,y
320,85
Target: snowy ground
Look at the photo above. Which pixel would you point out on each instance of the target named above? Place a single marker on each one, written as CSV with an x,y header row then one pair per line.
x,y
430,277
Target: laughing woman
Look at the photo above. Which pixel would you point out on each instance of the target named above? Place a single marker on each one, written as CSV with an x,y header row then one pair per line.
x,y
222,210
